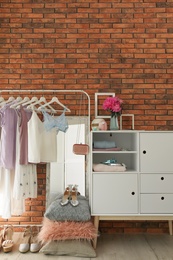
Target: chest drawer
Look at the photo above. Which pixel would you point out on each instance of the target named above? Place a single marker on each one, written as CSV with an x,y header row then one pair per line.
x,y
157,183
157,203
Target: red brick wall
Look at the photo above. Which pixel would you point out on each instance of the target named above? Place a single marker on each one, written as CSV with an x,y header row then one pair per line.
x,y
121,46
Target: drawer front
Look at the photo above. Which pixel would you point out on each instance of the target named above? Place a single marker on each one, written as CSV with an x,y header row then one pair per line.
x,y
157,203
156,183
114,194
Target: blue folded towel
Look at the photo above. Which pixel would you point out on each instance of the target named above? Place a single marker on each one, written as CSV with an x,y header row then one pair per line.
x,y
104,144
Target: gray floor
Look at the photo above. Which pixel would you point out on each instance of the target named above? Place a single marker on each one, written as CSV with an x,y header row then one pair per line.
x,y
112,247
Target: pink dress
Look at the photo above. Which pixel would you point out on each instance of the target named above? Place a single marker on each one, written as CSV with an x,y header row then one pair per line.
x,y
23,117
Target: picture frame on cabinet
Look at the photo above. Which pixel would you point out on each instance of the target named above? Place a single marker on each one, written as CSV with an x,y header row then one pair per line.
x,y
99,97
132,120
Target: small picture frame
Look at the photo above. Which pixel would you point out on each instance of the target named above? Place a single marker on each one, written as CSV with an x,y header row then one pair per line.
x,y
132,120
99,99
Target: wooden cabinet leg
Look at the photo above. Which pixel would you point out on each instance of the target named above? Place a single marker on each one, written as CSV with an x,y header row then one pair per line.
x,y
96,224
170,226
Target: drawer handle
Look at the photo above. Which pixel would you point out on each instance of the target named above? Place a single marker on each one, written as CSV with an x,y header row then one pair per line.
x,y
162,178
162,198
133,193
144,152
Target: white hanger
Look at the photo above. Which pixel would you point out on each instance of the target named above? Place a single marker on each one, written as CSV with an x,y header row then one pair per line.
x,y
10,99
39,101
56,100
33,99
17,100
20,102
1,99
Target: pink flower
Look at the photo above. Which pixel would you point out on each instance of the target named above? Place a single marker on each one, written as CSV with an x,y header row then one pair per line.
x,y
113,104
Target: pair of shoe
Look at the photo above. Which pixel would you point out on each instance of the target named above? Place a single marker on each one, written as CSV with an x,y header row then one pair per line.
x,y
6,241
29,240
70,195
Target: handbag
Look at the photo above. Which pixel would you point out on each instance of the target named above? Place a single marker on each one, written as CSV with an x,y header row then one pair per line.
x,y
79,148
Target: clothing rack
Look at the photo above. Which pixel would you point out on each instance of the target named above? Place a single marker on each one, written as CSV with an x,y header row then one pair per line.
x,y
52,91
43,92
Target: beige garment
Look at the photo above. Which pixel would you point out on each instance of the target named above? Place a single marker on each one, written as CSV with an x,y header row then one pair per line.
x,y
42,145
109,168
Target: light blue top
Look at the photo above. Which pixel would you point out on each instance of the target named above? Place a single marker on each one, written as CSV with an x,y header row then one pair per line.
x,y
60,122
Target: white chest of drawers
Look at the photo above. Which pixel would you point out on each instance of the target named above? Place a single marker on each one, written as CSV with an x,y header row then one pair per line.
x,y
145,190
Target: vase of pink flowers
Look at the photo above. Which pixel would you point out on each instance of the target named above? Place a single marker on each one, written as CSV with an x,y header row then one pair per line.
x,y
114,125
114,105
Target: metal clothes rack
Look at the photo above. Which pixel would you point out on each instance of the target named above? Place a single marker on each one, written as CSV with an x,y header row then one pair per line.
x,y
43,92
51,91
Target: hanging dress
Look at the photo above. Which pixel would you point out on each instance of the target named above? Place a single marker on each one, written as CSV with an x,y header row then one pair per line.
x,y
23,117
25,181
8,123
6,186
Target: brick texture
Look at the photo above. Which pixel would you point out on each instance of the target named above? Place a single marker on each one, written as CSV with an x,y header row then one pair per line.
x,y
117,46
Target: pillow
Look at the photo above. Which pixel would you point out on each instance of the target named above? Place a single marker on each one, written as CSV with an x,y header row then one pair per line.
x,y
57,212
52,196
54,230
78,248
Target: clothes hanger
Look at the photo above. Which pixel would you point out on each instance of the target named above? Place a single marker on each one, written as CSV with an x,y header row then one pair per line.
x,y
39,101
16,105
55,100
33,99
17,100
10,99
1,99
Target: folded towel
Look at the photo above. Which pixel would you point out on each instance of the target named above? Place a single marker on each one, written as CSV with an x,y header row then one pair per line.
x,y
104,144
107,149
108,168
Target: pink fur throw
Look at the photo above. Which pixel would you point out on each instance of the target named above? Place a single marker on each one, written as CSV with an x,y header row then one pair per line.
x,y
57,230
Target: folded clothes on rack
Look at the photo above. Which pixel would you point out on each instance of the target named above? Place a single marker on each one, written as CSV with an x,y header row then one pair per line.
x,y
104,144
